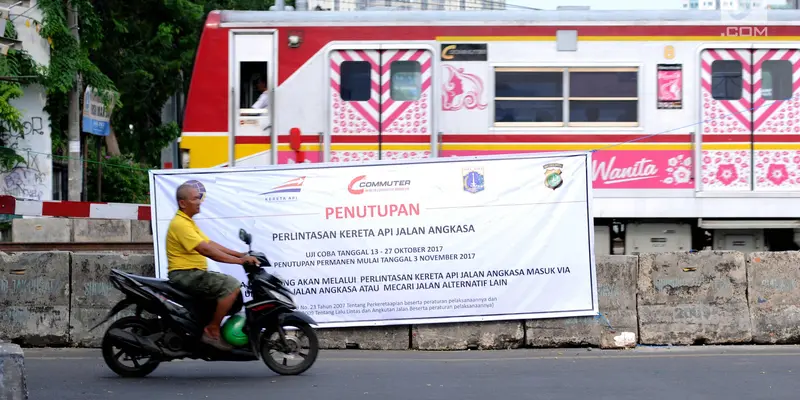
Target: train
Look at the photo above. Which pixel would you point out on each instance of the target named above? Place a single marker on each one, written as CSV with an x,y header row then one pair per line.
x,y
693,117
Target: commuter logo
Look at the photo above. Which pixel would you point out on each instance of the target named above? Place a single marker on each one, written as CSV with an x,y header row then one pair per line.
x,y
361,185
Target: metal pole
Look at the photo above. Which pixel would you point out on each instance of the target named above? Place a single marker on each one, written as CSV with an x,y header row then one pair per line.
x,y
74,171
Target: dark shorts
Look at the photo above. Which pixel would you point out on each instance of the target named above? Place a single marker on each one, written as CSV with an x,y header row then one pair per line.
x,y
207,284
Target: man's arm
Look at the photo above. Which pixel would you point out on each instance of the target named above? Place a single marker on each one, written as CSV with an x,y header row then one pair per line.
x,y
226,250
208,249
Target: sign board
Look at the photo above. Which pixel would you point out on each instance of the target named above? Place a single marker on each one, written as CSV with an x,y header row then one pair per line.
x,y
426,241
464,52
670,86
96,117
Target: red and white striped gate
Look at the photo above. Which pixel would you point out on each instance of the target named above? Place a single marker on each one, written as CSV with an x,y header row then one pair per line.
x,y
750,119
10,205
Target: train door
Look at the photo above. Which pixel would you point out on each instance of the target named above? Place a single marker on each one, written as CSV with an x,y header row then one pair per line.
x,y
381,104
750,120
252,95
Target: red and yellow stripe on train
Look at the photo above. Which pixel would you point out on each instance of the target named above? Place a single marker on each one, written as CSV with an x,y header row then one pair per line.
x,y
693,116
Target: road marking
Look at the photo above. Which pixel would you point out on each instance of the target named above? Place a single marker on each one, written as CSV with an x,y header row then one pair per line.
x,y
462,360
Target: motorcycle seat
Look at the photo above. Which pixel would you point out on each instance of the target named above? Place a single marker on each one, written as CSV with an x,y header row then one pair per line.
x,y
162,285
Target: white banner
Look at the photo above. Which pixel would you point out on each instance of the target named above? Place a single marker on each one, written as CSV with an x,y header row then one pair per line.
x,y
428,241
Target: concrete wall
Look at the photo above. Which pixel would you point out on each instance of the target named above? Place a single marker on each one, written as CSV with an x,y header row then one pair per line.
x,y
711,297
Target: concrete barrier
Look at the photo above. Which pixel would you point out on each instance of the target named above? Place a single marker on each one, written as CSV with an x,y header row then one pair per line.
x,y
41,230
371,338
713,297
34,298
616,327
693,298
65,230
468,335
93,295
774,296
101,230
13,384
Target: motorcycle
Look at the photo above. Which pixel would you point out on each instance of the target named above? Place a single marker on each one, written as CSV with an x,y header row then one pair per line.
x,y
176,329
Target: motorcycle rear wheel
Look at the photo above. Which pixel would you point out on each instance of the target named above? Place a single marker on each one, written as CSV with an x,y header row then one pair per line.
x,y
308,360
111,355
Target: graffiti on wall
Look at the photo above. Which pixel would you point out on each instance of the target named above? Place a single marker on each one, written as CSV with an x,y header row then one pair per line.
x,y
30,179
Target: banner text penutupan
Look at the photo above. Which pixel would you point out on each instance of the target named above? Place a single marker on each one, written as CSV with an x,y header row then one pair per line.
x,y
423,241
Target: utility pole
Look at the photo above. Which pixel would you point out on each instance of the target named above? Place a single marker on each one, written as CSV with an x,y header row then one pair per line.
x,y
74,172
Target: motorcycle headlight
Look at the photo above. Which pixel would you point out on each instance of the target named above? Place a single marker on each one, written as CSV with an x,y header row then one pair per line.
x,y
281,297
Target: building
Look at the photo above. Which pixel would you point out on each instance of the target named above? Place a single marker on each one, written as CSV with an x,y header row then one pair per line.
x,y
358,5
34,180
727,5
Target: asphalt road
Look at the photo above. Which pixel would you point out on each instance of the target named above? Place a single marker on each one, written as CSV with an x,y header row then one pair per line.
x,y
746,372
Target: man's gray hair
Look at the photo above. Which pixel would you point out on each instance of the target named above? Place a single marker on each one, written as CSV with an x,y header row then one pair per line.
x,y
183,192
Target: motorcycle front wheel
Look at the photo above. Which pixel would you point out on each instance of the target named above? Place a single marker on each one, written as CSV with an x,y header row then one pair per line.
x,y
291,350
113,355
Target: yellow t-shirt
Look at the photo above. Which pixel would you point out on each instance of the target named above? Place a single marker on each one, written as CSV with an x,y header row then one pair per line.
x,y
183,236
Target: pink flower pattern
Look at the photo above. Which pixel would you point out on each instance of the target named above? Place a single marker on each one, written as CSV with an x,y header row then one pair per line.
x,y
362,156
726,169
413,120
346,119
777,169
718,119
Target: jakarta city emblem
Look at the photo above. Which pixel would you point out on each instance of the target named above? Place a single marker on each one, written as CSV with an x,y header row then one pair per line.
x,y
472,179
552,176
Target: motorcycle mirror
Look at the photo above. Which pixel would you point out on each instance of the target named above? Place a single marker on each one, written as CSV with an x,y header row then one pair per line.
x,y
249,239
244,236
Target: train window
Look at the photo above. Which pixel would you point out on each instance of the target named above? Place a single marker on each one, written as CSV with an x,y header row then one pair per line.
x,y
356,80
528,82
603,96
540,111
252,75
776,80
596,97
529,96
406,81
603,112
726,80
603,83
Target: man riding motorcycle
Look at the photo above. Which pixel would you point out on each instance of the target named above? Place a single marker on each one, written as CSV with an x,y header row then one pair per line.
x,y
187,249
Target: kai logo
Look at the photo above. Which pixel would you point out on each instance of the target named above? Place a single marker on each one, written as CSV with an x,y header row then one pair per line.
x,y
287,191
552,176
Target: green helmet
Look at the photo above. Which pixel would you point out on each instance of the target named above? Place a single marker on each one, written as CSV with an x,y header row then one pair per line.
x,y
232,331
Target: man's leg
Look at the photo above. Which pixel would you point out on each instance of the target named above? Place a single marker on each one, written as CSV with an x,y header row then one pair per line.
x,y
224,288
223,306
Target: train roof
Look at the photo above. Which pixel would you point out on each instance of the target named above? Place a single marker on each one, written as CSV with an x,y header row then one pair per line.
x,y
508,17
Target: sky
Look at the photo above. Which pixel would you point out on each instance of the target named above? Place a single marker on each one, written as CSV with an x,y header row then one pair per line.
x,y
610,4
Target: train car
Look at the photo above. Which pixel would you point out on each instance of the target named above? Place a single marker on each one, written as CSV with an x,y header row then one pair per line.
x,y
694,118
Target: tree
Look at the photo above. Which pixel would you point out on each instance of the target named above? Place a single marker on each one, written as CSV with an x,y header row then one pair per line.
x,y
144,50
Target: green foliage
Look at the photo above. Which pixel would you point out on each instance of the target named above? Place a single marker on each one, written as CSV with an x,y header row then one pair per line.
x,y
123,179
143,50
69,57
